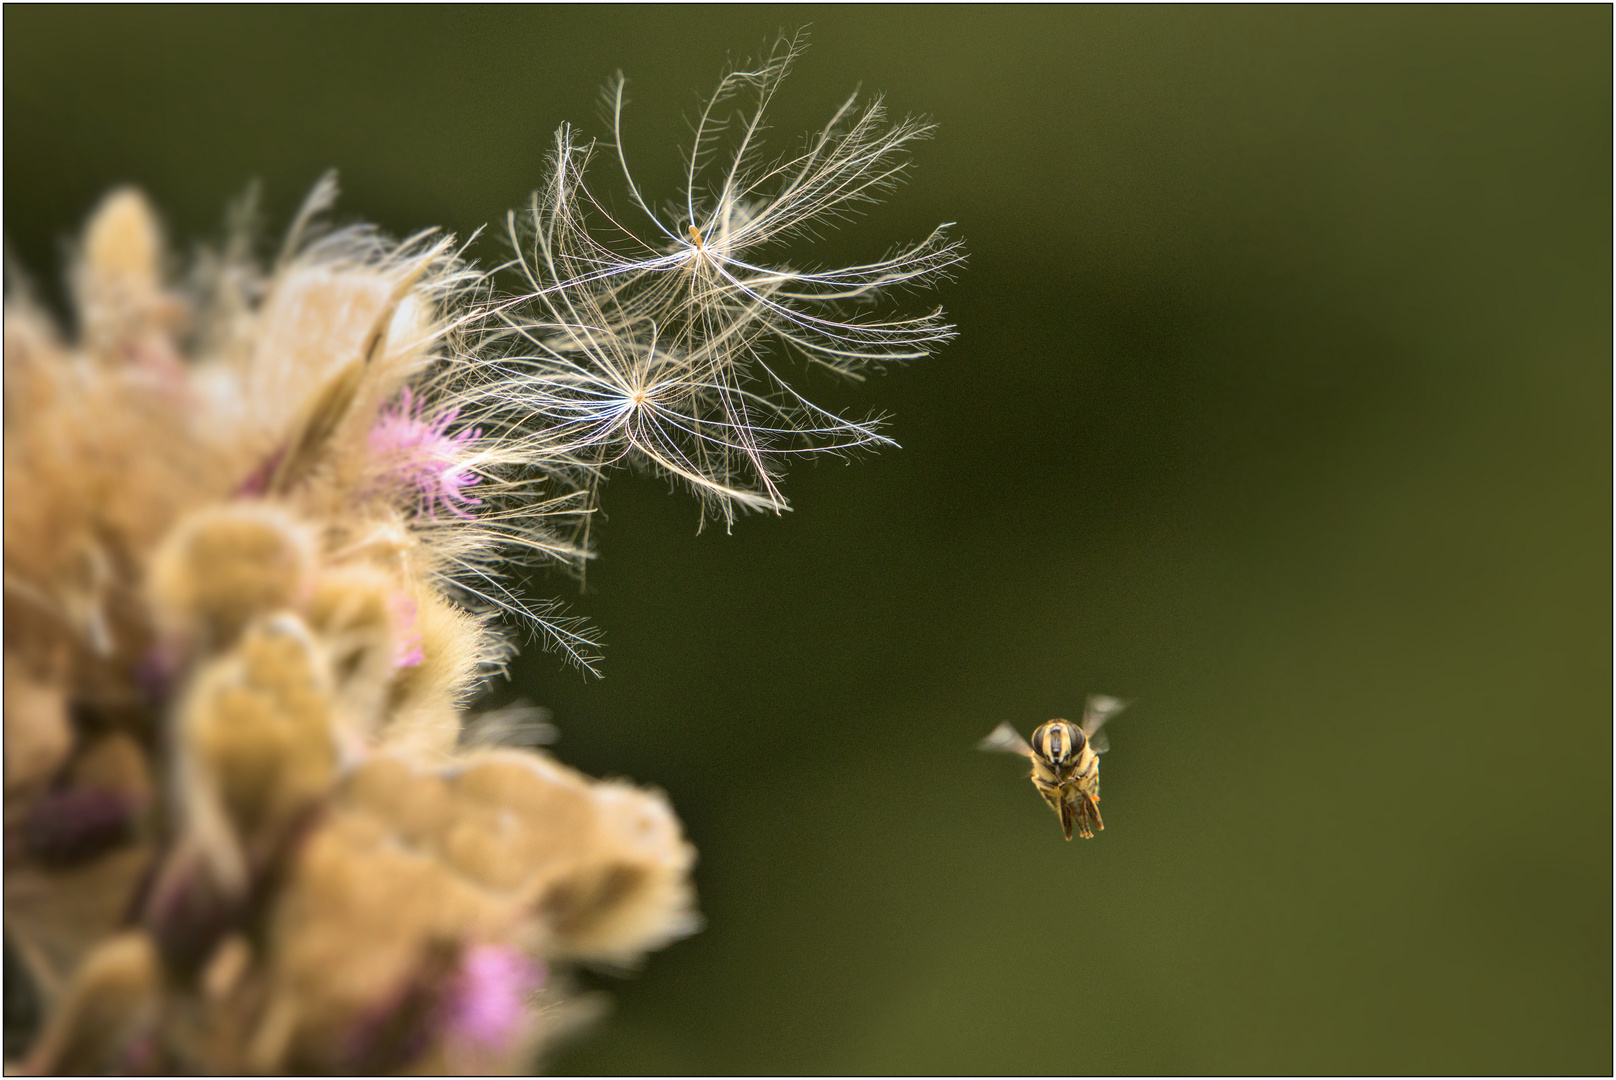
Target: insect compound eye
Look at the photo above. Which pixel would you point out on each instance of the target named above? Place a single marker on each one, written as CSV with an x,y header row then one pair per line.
x,y
1045,742
1050,742
1078,740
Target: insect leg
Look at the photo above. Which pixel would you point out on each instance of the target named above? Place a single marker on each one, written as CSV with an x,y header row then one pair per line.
x,y
1091,809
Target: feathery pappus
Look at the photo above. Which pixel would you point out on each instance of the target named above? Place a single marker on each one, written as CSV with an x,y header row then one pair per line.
x,y
1065,762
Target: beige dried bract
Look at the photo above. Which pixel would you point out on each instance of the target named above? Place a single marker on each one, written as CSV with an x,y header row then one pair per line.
x,y
235,665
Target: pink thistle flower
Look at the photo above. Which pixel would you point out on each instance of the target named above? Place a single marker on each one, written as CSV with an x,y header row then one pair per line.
x,y
415,451
487,998
408,652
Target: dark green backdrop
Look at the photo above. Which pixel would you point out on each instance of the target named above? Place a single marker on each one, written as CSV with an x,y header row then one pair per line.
x,y
1281,406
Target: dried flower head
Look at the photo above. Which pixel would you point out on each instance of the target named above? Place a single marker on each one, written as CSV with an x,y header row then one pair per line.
x,y
259,540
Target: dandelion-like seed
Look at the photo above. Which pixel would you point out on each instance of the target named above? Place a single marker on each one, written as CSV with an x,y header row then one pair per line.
x,y
667,343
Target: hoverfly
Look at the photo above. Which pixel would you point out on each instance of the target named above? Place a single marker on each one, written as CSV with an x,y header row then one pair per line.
x,y
1065,762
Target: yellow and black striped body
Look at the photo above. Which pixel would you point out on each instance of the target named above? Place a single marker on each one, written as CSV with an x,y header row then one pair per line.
x,y
1066,772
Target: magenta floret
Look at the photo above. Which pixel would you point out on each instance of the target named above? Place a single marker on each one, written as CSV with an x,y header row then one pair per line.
x,y
487,1000
418,451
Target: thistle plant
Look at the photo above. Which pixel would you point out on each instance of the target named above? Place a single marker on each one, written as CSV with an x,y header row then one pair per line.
x,y
259,535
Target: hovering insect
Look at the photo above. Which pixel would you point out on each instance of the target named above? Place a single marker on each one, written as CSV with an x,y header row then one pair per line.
x,y
1065,762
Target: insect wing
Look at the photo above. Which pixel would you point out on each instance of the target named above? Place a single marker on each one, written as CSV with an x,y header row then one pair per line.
x,y
1099,709
1099,742
1005,739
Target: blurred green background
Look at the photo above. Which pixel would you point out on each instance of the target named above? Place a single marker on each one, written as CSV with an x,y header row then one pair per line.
x,y
1281,406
